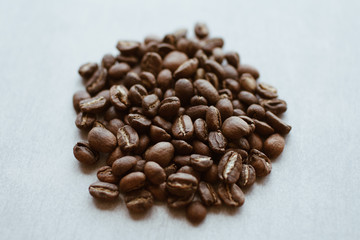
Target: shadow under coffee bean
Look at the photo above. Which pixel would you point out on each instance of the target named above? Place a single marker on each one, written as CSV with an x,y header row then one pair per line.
x,y
180,121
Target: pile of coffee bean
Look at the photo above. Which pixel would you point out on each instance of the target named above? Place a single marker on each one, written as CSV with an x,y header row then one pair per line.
x,y
179,121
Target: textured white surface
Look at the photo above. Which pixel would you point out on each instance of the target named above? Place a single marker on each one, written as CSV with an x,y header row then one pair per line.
x,y
308,49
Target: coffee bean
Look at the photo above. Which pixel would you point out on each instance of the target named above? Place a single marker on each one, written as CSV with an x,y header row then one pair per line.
x,y
128,47
200,129
182,160
136,94
201,30
276,106
114,125
232,85
262,128
200,163
265,90
87,70
247,98
119,97
218,55
279,125
123,165
157,134
119,70
260,162
139,122
186,69
201,57
127,138
105,174
247,176
211,175
238,105
211,43
215,67
171,169
100,124
112,113
183,128
104,191
213,118
93,105
139,201
274,145
174,59
84,154
217,142
235,128
102,140
248,69
158,191
189,170
182,147
231,195
230,72
230,167
180,202
85,120
196,212
139,167
196,112
255,141
213,79
207,90
256,111
150,105
181,184
154,173
131,60
248,82
201,148
184,90
117,153
225,108
169,107
164,79
169,93
250,122
97,81
132,181
208,194
233,58
198,100
131,79
162,153
151,62
148,80
160,122
78,97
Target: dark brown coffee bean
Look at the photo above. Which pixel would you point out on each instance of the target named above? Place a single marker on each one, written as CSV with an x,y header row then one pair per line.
x,y
84,154
119,70
114,155
189,170
139,167
198,100
247,176
238,105
105,174
104,191
150,105
201,57
196,112
87,70
171,169
182,160
181,184
184,90
123,165
274,145
160,122
201,30
233,58
183,128
182,147
169,93
232,85
102,140
170,39
114,125
157,134
136,94
164,79
218,55
119,97
255,141
217,142
239,112
213,79
207,90
247,98
276,106
200,129
131,79
260,162
225,108
243,143
242,152
249,121
158,191
231,195
127,138
78,97
180,202
85,120
230,72
128,47
100,124
265,90
148,80
213,119
187,69
158,92
174,59
235,128
139,122
225,94
200,163
93,105
107,61
211,175
211,43
97,81
132,181
131,60
154,173
215,67
144,142
263,128
162,153
247,83
196,212
279,125
208,194
169,107
201,148
112,113
139,201
230,167
248,69
151,62
256,111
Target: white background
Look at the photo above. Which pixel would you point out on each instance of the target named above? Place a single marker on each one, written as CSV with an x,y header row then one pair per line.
x,y
309,50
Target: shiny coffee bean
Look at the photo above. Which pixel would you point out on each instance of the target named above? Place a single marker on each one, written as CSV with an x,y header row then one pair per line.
x,y
158,191
128,47
265,90
211,43
213,119
114,125
225,108
195,112
276,106
217,142
180,202
187,69
247,83
260,162
87,70
131,79
150,105
205,89
139,201
211,175
139,122
136,94
181,184
174,59
274,145
154,173
183,128
215,67
123,165
198,100
84,154
247,98
78,97
97,81
119,70
189,170
256,111
128,138
104,191
169,107
132,181
255,141
85,121
201,129
182,160
119,97
196,212
231,195
162,153
201,30
182,147
148,80
157,134
200,163
165,80
279,125
229,168
248,69
160,122
184,90
208,194
200,148
105,174
247,176
233,58
117,153
93,105
151,62
102,140
262,128
235,128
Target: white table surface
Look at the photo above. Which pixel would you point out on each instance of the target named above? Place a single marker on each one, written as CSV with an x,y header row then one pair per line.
x,y
309,50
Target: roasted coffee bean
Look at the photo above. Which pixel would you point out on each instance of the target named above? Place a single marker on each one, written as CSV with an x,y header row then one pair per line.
x,y
189,170
196,212
114,125
181,184
230,167
180,202
211,43
218,55
243,143
247,82
182,160
239,112
100,124
87,70
200,163
169,107
196,112
201,57
136,94
139,201
154,173
162,153
260,162
160,122
139,122
230,72
127,138
112,113
187,69
102,140
208,194
276,106
213,79
225,108
234,128
198,100
217,142
114,155
182,147
150,104
148,80
128,47
207,90
238,105
201,30
265,90
164,79
201,148
157,134
279,125
274,145
247,176
247,98
119,70
232,85
97,81
151,62
263,128
139,167
200,129
213,119
170,39
119,97
174,59
144,142
184,90
93,105
231,195
183,128
131,60
248,69
256,111
158,191
169,93
104,191
85,120
132,181
171,169
215,67
123,165
249,121
78,97
158,92
107,61
105,174
84,154
106,95
225,93
255,141
211,175
131,79
233,58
